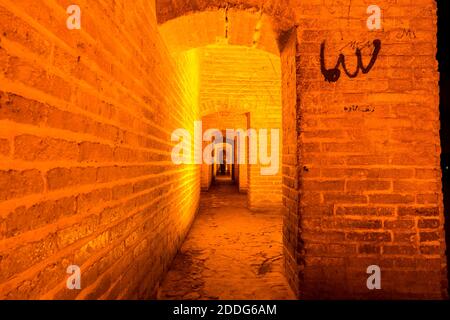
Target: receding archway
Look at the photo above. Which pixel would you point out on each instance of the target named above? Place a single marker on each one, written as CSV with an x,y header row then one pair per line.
x,y
250,32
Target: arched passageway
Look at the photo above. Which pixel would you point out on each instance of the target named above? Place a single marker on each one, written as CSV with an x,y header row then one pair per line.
x,y
230,252
239,91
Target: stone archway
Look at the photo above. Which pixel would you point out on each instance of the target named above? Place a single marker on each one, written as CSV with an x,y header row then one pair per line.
x,y
253,28
280,12
344,205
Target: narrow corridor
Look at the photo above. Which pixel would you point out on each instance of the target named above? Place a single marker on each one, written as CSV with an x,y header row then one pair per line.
x,y
230,252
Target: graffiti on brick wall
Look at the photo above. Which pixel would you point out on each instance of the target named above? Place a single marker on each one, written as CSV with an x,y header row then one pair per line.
x,y
357,108
367,44
333,74
406,33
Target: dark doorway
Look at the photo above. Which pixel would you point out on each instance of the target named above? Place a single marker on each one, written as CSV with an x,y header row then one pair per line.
x,y
444,83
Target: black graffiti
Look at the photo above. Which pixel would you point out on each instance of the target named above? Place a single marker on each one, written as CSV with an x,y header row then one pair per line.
x,y
333,75
357,44
408,33
357,108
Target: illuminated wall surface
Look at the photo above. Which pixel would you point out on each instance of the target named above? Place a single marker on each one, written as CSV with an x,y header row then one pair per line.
x,y
87,114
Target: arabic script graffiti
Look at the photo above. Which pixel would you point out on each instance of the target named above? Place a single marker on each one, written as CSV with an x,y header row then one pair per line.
x,y
333,74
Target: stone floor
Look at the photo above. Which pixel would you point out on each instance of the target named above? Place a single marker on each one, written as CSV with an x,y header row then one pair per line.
x,y
230,252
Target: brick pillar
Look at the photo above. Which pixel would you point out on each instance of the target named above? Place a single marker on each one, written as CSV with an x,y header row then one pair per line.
x,y
370,180
293,244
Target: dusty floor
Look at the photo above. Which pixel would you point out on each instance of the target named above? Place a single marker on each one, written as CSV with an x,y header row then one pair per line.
x,y
230,252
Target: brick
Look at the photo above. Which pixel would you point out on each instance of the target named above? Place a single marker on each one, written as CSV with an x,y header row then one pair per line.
x,y
428,198
328,236
310,198
315,211
418,211
123,191
367,185
314,185
366,160
19,109
401,236
427,173
369,249
344,198
430,250
87,201
365,211
369,236
322,134
429,236
330,249
311,147
32,148
343,147
399,224
402,186
399,250
4,147
343,173
46,213
353,224
95,152
429,223
390,198
69,177
390,173
423,158
405,263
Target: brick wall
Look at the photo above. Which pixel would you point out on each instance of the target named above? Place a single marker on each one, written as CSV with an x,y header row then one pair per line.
x,y
291,171
240,80
370,190
86,176
85,124
365,185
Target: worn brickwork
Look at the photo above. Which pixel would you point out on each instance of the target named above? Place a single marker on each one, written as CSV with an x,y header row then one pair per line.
x,y
245,80
86,176
290,163
369,150
86,118
223,121
361,185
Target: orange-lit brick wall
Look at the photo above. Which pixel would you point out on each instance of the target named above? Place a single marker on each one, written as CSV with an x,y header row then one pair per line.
x,y
241,79
361,173
86,176
370,175
290,162
223,121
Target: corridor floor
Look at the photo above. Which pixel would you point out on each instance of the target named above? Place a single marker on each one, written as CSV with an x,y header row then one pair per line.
x,y
230,252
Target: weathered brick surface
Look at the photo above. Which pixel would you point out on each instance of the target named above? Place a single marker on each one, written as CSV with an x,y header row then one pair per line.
x,y
223,121
380,169
372,170
237,82
85,174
